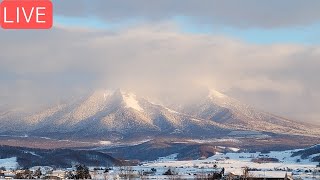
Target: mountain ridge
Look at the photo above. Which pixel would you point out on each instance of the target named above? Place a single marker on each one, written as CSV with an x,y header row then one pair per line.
x,y
119,114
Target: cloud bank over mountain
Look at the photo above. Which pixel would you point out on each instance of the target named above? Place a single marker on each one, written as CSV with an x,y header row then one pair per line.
x,y
158,61
170,50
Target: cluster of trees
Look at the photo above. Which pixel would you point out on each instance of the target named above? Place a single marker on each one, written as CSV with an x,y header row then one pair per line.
x,y
26,174
82,172
37,173
173,174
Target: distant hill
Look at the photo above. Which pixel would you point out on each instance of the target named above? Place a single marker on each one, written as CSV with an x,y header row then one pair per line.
x,y
313,152
62,158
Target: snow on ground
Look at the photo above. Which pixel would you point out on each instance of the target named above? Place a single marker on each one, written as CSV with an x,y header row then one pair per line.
x,y
203,141
269,174
32,153
279,163
105,142
234,149
234,163
171,157
9,163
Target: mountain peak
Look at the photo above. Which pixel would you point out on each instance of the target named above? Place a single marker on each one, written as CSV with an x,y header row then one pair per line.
x,y
106,94
128,98
131,101
213,94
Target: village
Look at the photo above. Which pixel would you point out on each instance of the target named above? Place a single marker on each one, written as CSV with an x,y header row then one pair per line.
x,y
230,166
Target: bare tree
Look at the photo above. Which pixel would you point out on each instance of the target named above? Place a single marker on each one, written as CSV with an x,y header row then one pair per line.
x,y
37,173
245,174
126,172
230,176
142,175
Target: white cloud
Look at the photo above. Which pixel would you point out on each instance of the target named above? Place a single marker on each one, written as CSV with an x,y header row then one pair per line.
x,y
158,60
244,13
265,84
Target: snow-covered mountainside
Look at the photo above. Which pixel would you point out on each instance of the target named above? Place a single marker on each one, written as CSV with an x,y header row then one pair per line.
x,y
234,114
12,120
113,115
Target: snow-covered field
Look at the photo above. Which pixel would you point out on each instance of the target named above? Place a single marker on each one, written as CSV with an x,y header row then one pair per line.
x,y
232,163
9,163
272,164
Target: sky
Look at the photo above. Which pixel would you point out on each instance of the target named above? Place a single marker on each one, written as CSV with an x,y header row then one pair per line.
x,y
264,53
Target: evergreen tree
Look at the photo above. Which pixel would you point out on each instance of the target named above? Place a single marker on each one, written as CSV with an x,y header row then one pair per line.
x,y
70,175
82,172
168,172
38,173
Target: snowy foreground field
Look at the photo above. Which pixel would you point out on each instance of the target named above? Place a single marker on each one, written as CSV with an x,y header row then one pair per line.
x,y
271,165
232,163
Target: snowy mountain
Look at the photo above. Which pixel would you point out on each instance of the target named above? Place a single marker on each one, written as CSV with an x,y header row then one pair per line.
x,y
115,115
12,119
234,114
